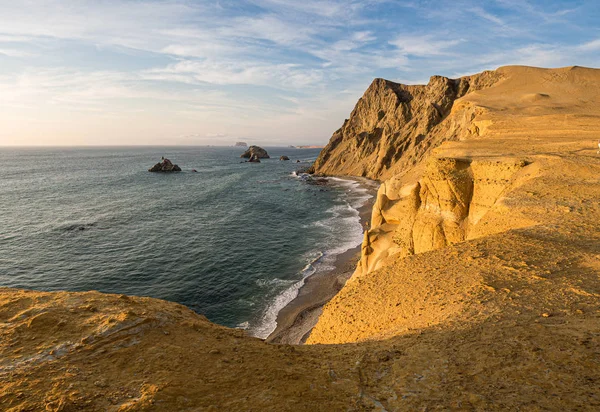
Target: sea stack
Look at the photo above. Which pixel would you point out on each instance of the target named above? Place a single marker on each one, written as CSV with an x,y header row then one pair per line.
x,y
259,152
284,158
165,166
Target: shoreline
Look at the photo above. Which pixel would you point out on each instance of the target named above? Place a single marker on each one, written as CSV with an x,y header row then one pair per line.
x,y
296,320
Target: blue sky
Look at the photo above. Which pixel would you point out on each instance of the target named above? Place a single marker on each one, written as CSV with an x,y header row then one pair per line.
x,y
268,72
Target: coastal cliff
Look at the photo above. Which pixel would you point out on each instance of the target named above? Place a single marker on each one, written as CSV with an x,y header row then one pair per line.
x,y
394,126
523,167
478,286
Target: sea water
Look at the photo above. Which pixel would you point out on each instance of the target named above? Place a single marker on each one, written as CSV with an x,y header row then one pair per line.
x,y
232,241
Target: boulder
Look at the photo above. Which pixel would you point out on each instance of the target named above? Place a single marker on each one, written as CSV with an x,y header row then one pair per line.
x,y
255,150
284,158
165,166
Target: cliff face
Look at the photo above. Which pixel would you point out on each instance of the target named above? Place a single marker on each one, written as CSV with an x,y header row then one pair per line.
x,y
525,162
445,206
394,126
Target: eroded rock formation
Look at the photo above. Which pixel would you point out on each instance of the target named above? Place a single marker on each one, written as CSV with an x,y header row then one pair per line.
x,y
495,165
394,126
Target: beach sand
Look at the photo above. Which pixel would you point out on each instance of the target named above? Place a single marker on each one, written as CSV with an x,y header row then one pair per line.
x,y
296,320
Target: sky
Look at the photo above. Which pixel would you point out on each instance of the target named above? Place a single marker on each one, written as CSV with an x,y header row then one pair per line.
x,y
271,72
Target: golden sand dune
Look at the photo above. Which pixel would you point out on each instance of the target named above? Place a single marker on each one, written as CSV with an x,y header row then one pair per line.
x,y
478,288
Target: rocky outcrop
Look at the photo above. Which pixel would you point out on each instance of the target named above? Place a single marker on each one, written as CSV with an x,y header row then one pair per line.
x,y
394,126
284,158
165,166
444,207
241,144
510,170
256,151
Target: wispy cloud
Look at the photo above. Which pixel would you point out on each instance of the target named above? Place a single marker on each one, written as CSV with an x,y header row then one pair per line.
x,y
424,45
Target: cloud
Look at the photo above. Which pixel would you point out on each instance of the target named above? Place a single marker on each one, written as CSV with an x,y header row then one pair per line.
x,y
478,11
15,53
423,46
593,45
283,76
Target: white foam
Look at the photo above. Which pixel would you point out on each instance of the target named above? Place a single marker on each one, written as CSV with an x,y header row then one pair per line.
x,y
346,232
268,322
243,325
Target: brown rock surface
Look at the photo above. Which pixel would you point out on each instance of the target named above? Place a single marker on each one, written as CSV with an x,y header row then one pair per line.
x,y
394,126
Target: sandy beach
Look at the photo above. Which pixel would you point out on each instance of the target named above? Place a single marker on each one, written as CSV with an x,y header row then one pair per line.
x,y
296,320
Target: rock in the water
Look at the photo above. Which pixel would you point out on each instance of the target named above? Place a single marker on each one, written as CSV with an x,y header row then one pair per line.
x,y
254,159
284,158
255,150
241,144
165,166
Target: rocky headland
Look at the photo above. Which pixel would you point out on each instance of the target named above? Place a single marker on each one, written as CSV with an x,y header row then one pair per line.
x,y
477,289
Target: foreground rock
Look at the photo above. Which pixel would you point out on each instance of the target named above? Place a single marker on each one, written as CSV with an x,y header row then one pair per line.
x,y
255,151
165,166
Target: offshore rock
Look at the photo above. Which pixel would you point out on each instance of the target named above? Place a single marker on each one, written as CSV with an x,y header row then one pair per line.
x,y
165,166
254,159
255,150
284,158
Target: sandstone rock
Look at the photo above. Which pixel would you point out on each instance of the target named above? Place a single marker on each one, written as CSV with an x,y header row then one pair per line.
x,y
255,150
394,126
165,166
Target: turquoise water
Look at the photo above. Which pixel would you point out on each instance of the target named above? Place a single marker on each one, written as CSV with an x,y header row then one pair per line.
x,y
232,242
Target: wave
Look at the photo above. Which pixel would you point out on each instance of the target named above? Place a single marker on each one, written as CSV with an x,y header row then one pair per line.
x,y
345,232
268,322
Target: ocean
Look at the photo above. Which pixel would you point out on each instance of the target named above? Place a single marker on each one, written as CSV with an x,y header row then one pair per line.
x,y
233,241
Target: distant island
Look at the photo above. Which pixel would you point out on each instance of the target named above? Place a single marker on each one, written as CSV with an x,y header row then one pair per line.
x,y
241,144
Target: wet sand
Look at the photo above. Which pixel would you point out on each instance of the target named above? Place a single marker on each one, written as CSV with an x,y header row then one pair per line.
x,y
296,320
